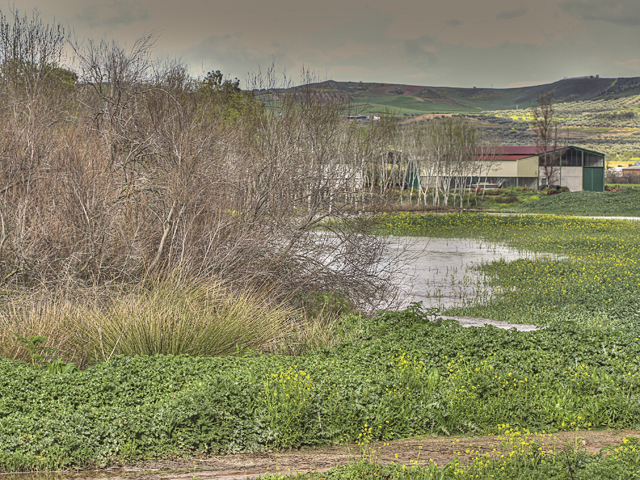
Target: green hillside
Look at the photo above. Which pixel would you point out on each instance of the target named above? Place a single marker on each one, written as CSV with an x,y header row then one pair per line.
x,y
376,98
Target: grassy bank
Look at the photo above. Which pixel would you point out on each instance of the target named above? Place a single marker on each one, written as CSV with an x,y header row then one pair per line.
x,y
406,376
622,203
519,200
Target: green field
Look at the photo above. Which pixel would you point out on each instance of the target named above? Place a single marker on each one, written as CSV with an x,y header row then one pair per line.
x,y
404,104
622,203
622,185
412,99
399,375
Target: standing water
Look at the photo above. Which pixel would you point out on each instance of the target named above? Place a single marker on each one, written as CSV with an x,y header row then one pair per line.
x,y
444,272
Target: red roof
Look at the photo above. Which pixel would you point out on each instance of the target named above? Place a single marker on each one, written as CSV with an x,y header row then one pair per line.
x,y
515,153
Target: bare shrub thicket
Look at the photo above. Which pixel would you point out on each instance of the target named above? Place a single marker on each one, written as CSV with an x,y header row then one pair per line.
x,y
127,169
447,156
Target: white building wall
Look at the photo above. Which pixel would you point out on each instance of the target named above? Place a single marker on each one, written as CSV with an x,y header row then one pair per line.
x,y
571,177
555,178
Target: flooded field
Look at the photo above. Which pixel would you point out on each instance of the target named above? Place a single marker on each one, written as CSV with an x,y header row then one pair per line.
x,y
443,272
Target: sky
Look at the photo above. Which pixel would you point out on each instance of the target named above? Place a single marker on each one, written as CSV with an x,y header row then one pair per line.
x,y
460,43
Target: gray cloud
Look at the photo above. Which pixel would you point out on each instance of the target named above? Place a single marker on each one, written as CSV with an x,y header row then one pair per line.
x,y
618,12
415,49
228,54
511,14
365,27
111,14
378,44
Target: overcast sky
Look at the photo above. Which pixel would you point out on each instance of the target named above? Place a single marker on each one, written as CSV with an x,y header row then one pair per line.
x,y
499,43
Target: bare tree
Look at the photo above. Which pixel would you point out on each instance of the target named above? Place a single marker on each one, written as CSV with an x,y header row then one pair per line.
x,y
486,158
30,54
546,128
157,171
451,148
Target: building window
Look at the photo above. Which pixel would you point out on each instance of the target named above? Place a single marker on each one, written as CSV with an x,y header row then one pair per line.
x,y
593,160
572,158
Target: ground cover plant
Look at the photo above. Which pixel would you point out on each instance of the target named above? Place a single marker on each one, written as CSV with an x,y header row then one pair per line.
x,y
622,203
505,198
400,374
593,281
407,375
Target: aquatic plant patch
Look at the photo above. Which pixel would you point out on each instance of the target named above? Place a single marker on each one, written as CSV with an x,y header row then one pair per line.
x,y
593,282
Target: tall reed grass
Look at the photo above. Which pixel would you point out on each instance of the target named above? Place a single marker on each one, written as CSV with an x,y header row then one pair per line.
x,y
162,315
58,318
171,317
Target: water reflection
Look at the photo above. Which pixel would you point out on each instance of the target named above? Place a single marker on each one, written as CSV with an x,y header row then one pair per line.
x,y
443,272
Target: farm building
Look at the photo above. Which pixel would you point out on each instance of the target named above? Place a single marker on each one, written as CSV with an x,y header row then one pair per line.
x,y
568,166
632,172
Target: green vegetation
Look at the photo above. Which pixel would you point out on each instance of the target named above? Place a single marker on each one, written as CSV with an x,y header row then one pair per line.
x,y
407,376
396,375
401,104
622,185
592,283
520,457
183,303
622,203
451,99
608,125
506,198
625,202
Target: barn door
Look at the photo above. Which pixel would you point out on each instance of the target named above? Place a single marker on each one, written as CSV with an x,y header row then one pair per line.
x,y
593,179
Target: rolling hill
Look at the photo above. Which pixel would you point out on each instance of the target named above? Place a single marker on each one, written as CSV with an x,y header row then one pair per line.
x,y
371,98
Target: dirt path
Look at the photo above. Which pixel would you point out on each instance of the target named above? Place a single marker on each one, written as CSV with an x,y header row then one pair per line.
x,y
248,465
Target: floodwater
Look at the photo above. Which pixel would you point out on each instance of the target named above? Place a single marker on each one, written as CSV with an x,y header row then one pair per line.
x,y
444,273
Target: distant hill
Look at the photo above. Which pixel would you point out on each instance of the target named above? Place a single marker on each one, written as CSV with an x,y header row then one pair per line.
x,y
416,100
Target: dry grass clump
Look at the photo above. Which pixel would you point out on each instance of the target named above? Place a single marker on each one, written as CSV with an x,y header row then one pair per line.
x,y
171,317
162,315
57,318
